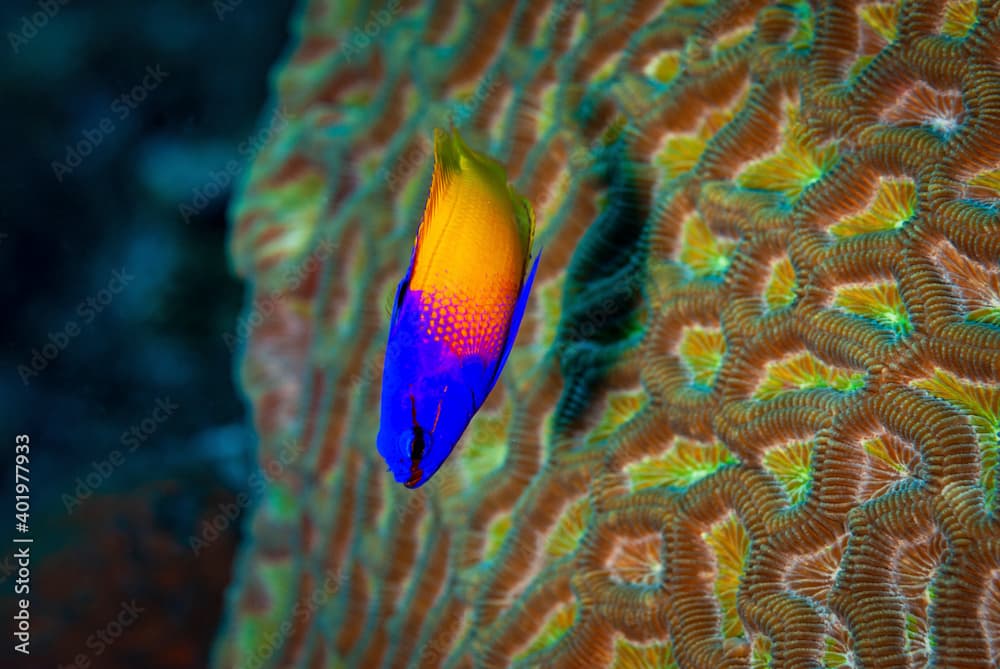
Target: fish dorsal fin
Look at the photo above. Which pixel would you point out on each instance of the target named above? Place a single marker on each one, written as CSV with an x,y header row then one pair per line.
x,y
515,323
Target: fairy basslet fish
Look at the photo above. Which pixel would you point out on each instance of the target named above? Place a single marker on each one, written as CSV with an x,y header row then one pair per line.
x,y
457,309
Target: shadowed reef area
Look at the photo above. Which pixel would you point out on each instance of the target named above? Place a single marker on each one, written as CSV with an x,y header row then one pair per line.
x,y
752,415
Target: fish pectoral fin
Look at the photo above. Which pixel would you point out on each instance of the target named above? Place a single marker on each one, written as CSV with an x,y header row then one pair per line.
x,y
401,290
515,323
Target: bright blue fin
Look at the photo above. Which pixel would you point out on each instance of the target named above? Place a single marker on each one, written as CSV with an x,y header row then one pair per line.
x,y
404,284
515,324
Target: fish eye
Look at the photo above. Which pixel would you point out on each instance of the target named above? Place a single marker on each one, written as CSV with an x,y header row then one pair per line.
x,y
414,442
406,442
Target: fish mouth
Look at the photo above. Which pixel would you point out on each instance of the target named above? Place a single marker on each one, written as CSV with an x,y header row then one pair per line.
x,y
416,474
418,447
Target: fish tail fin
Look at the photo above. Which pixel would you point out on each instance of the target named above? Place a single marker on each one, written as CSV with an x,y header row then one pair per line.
x,y
465,156
447,153
452,155
447,166
525,221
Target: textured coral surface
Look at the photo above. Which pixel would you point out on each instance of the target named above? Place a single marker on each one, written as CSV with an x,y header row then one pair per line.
x,y
752,415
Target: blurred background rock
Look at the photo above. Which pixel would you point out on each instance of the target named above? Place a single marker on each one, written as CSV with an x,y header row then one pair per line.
x,y
121,123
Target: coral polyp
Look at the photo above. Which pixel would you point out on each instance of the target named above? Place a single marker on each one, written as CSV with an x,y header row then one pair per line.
x,y
751,418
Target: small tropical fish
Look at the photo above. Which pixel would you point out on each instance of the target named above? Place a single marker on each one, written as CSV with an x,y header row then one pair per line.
x,y
456,311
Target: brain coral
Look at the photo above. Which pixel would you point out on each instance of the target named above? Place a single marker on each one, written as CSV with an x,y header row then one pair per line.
x,y
752,416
